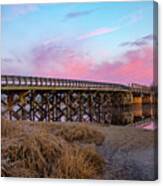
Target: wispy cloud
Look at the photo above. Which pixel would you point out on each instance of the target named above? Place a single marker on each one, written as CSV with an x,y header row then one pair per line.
x,y
16,66
7,60
19,10
58,61
97,32
136,17
131,18
133,66
149,37
139,42
124,21
75,14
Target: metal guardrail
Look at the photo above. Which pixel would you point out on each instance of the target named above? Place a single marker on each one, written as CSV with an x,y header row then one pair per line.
x,y
140,88
29,81
23,81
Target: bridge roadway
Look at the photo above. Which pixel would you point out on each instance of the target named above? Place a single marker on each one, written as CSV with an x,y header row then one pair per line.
x,y
9,82
49,99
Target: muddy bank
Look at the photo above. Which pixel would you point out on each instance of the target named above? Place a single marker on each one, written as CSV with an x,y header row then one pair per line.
x,y
130,153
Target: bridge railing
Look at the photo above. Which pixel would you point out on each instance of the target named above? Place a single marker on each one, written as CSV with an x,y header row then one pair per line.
x,y
7,80
140,88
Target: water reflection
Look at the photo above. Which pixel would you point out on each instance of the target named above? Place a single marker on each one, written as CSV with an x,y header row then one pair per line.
x,y
151,125
143,116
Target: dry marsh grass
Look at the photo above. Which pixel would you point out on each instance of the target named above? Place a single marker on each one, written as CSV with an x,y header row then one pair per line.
x,y
83,133
78,132
9,129
38,150
92,164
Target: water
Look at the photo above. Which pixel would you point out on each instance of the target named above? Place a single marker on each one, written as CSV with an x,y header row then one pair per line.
x,y
140,116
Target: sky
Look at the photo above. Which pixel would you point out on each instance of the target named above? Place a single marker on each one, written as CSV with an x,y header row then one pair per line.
x,y
106,42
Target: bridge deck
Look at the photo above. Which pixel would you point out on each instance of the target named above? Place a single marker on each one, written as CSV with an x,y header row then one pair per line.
x,y
36,83
9,82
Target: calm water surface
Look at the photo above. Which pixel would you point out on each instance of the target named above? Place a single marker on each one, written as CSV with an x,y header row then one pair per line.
x,y
140,116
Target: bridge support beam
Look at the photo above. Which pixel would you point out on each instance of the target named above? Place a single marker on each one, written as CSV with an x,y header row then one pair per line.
x,y
59,105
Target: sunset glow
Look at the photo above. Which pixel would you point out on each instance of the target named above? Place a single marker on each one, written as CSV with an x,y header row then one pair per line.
x,y
111,42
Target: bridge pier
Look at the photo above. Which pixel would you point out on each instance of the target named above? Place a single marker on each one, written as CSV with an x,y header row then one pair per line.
x,y
137,99
147,99
122,116
122,99
141,98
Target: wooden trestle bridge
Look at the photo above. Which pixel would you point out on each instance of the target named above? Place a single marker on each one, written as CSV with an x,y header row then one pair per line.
x,y
49,99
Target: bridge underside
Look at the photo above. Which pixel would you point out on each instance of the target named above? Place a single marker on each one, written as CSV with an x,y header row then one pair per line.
x,y
79,106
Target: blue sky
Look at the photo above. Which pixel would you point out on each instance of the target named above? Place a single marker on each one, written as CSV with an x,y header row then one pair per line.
x,y
93,31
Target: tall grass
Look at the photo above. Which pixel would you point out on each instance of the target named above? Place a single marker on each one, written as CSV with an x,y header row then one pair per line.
x,y
52,150
77,132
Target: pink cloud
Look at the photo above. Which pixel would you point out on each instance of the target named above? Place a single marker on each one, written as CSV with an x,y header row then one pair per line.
x,y
97,32
58,61
136,66
133,66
